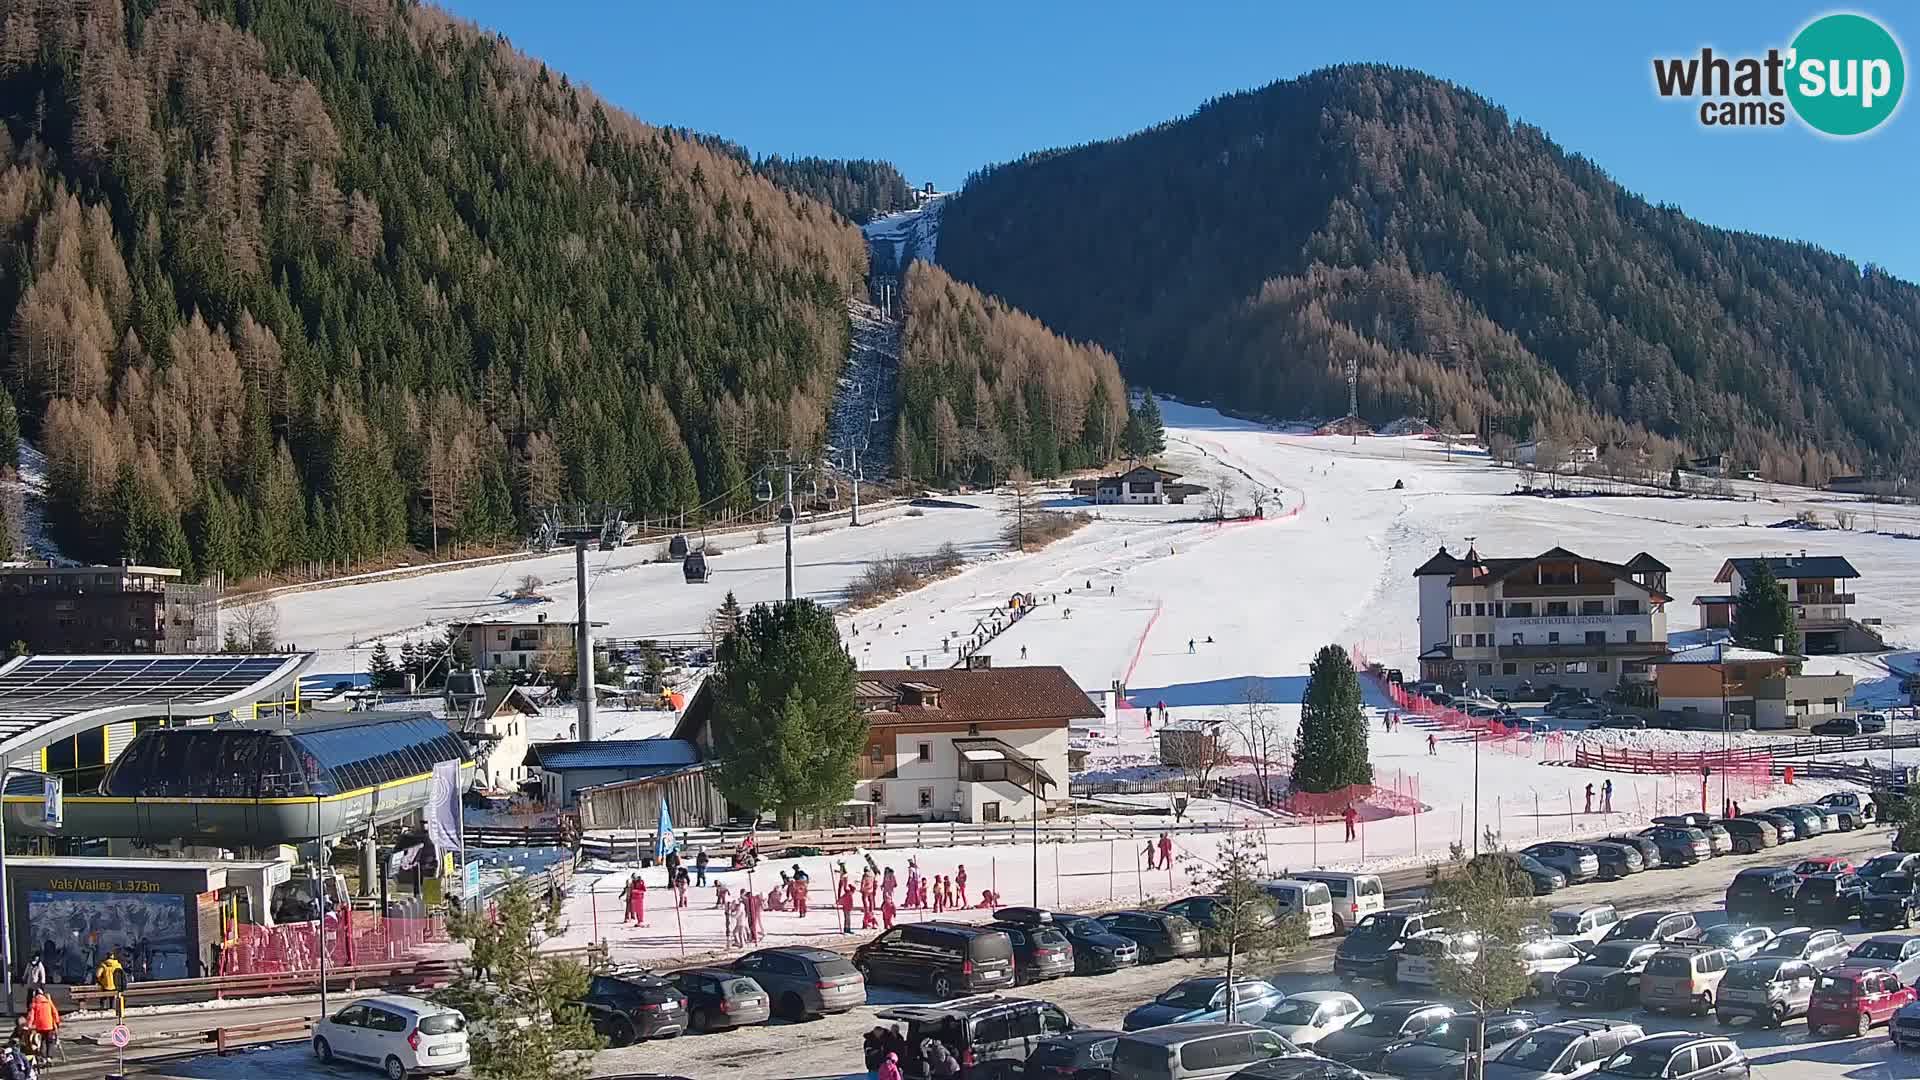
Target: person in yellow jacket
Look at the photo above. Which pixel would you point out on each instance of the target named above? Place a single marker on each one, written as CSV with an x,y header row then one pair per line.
x,y
111,976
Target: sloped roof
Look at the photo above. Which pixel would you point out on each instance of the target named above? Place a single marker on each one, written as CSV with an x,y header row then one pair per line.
x,y
970,696
1718,653
1644,562
1791,567
651,754
1496,569
1442,562
510,699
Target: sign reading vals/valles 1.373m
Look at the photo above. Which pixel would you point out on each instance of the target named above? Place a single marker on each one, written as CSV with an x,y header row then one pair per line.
x,y
1842,75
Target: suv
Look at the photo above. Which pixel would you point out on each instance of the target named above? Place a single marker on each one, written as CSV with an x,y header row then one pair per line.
x,y
1587,923
1660,927
1680,1055
1767,990
1822,948
397,1034
627,1008
1748,835
1861,805
1649,851
1679,846
1761,893
1039,952
1381,1028
1161,935
1686,978
1372,949
1898,954
1856,998
1893,862
1443,1052
1616,860
717,998
1568,1048
805,982
1577,861
1784,829
1205,912
1195,1051
1892,900
1095,948
1608,978
979,1029
943,957
1719,841
1829,898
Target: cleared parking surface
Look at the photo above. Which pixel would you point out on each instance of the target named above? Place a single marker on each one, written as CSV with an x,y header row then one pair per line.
x,y
831,1046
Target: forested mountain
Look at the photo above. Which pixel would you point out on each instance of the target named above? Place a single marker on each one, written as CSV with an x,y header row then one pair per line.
x,y
294,280
985,389
858,189
1479,274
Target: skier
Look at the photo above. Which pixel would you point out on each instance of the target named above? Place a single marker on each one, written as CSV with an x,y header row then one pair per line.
x,y
1189,646
960,885
1023,652
1606,796
1109,590
887,912
1353,818
887,885
913,883
680,879
1589,798
1432,745
846,907
754,932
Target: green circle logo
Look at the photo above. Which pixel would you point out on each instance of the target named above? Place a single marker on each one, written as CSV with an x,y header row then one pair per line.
x,y
1847,74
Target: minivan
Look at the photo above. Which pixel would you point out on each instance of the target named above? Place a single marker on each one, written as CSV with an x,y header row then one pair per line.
x,y
1588,923
1355,896
943,957
1766,989
1683,979
1195,1051
1295,896
983,1028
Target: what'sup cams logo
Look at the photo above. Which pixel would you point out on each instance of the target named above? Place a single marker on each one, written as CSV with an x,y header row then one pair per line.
x,y
1842,76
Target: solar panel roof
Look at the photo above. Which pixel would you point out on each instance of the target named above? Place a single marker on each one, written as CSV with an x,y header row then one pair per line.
x,y
37,690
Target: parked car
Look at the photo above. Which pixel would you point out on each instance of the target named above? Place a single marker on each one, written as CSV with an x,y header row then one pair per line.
x,y
1311,900
1204,997
1616,860
1545,958
1206,913
1759,893
1039,952
1649,851
1893,862
1856,999
1372,950
1305,1018
986,1031
1562,1051
1806,823
1748,836
1300,1068
1861,805
1586,923
1822,948
627,1008
1829,816
1081,1054
1904,1029
1768,990
1096,949
1871,723
1160,935
1840,725
1577,861
1827,899
397,1034
1526,875
1684,979
1741,940
1897,953
1355,896
1665,927
1561,699
719,999
1608,978
1679,846
1679,1055
943,958
1591,711
1443,1051
1892,900
1423,959
1783,826
1195,1051
1719,840
805,982
1385,1025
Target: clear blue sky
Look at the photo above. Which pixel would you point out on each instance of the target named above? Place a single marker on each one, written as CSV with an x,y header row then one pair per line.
x,y
941,89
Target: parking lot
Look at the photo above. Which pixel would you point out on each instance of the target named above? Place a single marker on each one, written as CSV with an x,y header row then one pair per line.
x,y
831,1046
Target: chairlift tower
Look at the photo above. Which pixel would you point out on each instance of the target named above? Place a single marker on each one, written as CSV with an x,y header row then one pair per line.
x,y
602,527
782,462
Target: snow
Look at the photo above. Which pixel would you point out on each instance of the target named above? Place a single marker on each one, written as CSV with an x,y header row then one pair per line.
x,y
26,505
912,234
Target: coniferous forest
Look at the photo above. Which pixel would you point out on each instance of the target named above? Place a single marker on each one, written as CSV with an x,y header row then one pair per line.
x,y
1480,275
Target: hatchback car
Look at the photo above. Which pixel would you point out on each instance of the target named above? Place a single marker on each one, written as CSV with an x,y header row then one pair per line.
x,y
1096,949
1649,851
1039,952
1767,990
1385,1025
1683,980
1678,1055
1210,912
1570,1048
1719,840
397,1034
718,999
1806,823
1667,927
1821,948
805,982
1839,725
1737,938
1616,860
1856,999
1784,827
628,1007
1577,861
1443,1051
1204,998
1305,1018
1679,846
1748,835
1161,935
1897,953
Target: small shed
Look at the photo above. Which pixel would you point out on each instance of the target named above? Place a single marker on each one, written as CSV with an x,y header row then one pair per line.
x,y
566,768
1184,743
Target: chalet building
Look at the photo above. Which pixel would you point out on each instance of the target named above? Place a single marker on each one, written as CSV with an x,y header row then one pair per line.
x,y
1748,688
108,609
519,643
1572,455
1823,602
1142,484
1557,619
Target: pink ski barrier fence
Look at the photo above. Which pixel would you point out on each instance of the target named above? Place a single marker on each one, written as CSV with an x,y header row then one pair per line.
x,y
1392,794
1495,735
255,950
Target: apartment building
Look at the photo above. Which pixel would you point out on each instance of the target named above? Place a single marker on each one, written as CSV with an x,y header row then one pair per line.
x,y
1824,600
108,609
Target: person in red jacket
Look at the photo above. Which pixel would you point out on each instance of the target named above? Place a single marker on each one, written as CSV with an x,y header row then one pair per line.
x,y
960,886
846,906
637,900
1353,818
1166,851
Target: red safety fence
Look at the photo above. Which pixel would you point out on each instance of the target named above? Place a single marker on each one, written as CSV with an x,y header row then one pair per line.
x,y
368,939
1393,793
1758,762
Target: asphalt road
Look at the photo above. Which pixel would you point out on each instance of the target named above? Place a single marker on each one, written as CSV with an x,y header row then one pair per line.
x,y
830,1047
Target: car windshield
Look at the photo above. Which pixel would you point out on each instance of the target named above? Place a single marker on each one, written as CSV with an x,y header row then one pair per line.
x,y
1048,939
1537,1050
1878,950
1383,925
1454,1034
1724,935
1566,924
1821,887
1374,1023
1751,976
1883,864
1293,1011
1612,955
1788,944
1190,995
1640,1061
1812,866
1891,883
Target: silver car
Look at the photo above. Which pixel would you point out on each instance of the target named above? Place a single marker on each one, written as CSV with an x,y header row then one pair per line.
x,y
1743,941
803,982
1767,990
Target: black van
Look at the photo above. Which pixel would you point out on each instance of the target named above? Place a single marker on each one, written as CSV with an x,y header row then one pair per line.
x,y
946,958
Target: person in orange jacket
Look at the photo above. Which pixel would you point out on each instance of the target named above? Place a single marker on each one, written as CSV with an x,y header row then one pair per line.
x,y
43,1017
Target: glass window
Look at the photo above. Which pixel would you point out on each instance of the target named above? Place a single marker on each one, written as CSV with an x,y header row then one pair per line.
x,y
1509,669
382,1020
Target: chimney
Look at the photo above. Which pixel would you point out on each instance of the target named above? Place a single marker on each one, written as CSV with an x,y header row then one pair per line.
x,y
542,617
979,662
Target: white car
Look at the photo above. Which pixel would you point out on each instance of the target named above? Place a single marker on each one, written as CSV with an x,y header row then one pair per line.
x,y
1304,1019
398,1035
1421,958
1546,957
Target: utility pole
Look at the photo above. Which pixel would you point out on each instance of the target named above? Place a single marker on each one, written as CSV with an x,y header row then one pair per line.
x,y
855,519
789,515
604,528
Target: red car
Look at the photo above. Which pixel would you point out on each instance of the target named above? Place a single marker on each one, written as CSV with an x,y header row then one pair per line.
x,y
1856,998
1822,864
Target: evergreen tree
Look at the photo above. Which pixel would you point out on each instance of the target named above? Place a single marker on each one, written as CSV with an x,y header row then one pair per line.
x,y
1495,900
1762,614
380,670
139,520
409,661
510,980
1673,481
1244,929
786,733
9,432
1332,750
172,548
1153,431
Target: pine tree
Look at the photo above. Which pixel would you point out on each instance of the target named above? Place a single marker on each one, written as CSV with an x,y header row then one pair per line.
x,y
1153,432
409,661
172,548
1243,928
1332,751
139,521
1763,615
1483,893
9,432
786,733
509,979
380,670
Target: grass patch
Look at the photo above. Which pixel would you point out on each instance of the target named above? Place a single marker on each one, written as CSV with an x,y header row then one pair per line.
x,y
896,574
1042,527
